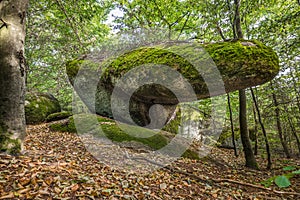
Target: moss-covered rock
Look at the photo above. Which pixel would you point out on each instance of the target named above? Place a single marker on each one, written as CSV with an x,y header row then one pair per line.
x,y
113,132
225,138
38,106
240,63
58,116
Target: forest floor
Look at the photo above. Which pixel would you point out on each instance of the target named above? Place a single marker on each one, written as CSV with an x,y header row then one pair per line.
x,y
57,166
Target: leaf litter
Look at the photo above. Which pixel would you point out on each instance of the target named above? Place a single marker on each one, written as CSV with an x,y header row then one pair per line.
x,y
56,165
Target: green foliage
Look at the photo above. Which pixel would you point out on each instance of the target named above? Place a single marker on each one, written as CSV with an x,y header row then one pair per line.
x,y
282,181
289,168
58,31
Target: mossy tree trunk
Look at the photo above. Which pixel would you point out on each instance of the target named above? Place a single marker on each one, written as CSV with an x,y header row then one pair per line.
x,y
12,76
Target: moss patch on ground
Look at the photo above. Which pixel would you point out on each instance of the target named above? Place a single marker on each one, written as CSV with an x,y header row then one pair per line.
x,y
58,116
115,133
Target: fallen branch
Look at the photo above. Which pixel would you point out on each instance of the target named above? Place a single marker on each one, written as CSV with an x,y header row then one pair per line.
x,y
207,180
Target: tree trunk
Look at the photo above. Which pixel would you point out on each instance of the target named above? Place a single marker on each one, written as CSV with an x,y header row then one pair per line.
x,y
293,129
12,76
263,130
237,19
255,131
278,122
232,128
249,156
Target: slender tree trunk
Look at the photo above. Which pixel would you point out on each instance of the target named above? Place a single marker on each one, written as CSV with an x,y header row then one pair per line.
x,y
278,122
263,130
237,19
249,156
293,129
255,131
231,126
12,76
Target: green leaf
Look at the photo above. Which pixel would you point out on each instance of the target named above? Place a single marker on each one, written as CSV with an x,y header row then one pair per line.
x,y
268,182
289,168
282,181
296,172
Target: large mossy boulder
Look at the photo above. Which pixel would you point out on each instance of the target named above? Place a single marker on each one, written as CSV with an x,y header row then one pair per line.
x,y
38,106
240,64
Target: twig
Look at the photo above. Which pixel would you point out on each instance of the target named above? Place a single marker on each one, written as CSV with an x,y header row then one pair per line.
x,y
4,24
206,180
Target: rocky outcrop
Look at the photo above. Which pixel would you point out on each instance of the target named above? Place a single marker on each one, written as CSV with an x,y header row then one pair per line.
x,y
194,71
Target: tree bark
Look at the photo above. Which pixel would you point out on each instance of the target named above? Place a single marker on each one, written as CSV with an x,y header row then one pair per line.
x,y
294,132
278,123
237,19
12,76
249,156
255,131
232,128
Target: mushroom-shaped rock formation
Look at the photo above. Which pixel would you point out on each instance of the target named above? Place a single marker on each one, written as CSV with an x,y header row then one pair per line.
x,y
144,85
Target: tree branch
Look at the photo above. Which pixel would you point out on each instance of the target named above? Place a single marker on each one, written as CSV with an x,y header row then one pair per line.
x,y
69,21
187,19
207,180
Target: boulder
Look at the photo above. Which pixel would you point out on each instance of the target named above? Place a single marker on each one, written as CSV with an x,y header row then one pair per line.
x,y
38,106
194,71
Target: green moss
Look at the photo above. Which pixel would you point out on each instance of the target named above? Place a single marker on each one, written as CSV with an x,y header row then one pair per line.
x,y
38,106
191,155
226,134
111,131
114,133
241,64
174,124
58,116
239,56
8,145
73,68
243,57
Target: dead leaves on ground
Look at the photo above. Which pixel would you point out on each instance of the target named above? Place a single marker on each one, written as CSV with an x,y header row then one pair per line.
x,y
57,166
